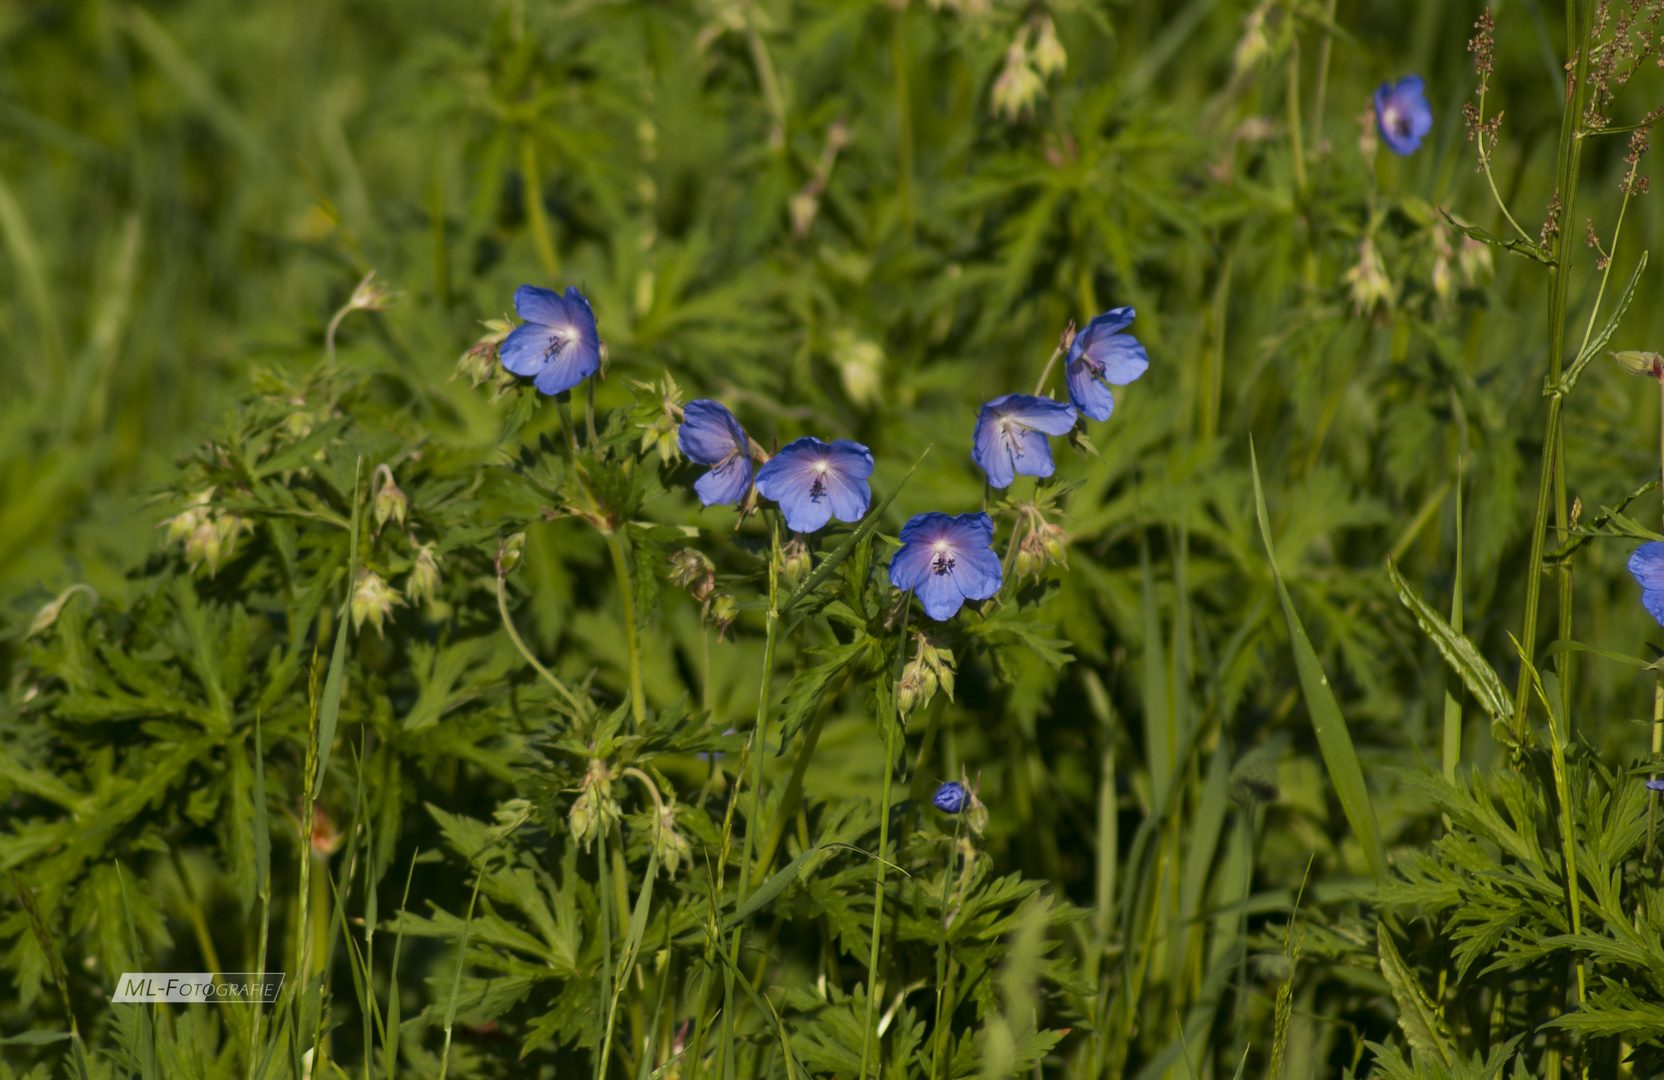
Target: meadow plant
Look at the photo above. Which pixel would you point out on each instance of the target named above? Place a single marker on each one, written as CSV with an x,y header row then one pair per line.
x,y
720,719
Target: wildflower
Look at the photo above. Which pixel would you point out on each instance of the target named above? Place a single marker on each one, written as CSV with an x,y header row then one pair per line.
x,y
711,436
952,798
1370,287
423,581
372,599
1655,785
558,345
1018,85
1647,565
814,482
1010,436
946,561
1404,114
724,610
1102,355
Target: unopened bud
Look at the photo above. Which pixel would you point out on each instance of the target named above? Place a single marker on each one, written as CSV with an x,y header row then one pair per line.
x,y
724,609
1048,54
595,810
1018,86
1254,45
372,599
479,362
672,846
423,581
1371,290
509,552
794,560
325,836
694,572
204,546
391,502
369,297
1641,363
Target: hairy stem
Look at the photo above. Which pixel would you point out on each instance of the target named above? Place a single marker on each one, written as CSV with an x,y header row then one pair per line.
x,y
892,722
632,639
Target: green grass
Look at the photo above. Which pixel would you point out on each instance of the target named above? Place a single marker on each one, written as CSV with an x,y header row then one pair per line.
x,y
1223,832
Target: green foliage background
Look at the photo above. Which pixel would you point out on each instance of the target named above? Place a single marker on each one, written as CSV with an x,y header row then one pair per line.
x,y
190,191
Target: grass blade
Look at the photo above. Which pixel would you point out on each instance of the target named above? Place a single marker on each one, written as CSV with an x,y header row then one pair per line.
x,y
1333,738
1476,672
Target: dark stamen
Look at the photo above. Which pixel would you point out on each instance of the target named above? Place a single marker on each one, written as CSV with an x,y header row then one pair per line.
x,y
943,563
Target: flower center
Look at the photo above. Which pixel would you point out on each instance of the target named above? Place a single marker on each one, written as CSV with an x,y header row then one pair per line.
x,y
1007,431
942,561
556,343
817,490
1395,121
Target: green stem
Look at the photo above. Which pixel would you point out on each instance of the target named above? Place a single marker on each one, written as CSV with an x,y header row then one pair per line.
x,y
1322,76
949,881
514,636
794,787
892,721
1657,747
1045,373
632,641
1453,709
1553,473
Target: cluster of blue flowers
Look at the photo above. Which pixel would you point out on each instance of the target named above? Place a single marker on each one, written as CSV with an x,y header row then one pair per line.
x,y
944,559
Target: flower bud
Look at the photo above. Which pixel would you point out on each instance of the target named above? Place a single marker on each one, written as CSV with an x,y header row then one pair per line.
x,y
509,552
672,846
1371,290
479,361
1641,363
204,545
1018,87
1048,54
724,610
860,364
372,599
369,297
183,524
1368,141
1254,45
595,810
794,560
930,669
690,569
391,502
423,581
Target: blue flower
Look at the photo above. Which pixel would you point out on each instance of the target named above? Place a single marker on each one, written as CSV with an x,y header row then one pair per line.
x,y
947,561
952,798
1647,564
557,345
1102,354
711,436
1656,785
814,482
1010,436
1402,112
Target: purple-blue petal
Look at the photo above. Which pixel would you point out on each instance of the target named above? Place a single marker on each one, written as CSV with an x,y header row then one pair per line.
x,y
1039,413
537,305
709,433
1647,565
1656,785
1403,114
571,365
1102,326
727,483
978,573
851,458
972,572
810,495
910,565
951,797
941,595
526,349
1090,396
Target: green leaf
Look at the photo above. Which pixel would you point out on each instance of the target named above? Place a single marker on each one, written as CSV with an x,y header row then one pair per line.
x,y
1518,247
1596,344
1460,653
1333,738
329,709
1416,1015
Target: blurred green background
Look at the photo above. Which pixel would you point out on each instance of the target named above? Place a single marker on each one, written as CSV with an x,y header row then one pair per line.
x,y
836,217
